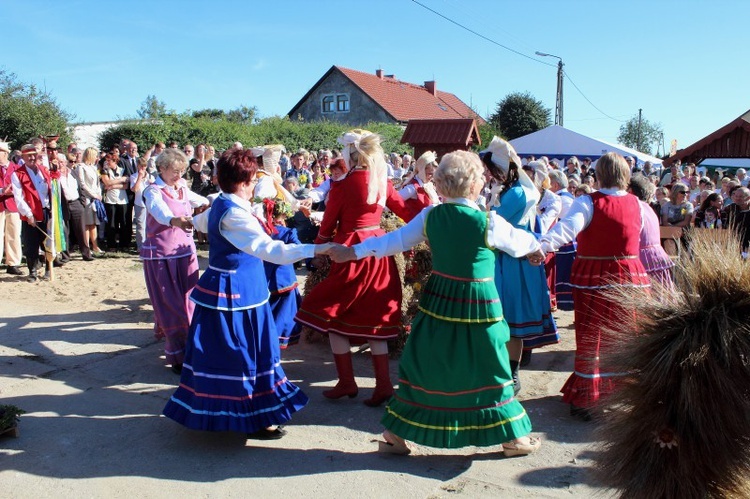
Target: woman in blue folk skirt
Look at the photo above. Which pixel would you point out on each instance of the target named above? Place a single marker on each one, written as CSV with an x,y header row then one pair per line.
x,y
232,379
522,287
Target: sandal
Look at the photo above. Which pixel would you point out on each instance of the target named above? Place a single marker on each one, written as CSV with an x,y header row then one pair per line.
x,y
511,449
393,445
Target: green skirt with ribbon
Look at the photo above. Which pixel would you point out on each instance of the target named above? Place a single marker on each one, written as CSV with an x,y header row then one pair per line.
x,y
455,387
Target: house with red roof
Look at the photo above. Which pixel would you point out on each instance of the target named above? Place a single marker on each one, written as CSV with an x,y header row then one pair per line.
x,y
356,98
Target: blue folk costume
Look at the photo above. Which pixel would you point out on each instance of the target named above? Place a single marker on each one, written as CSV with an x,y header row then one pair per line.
x,y
232,379
523,287
564,258
285,298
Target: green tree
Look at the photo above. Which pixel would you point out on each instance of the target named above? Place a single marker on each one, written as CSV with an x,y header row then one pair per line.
x,y
27,112
520,114
152,108
486,133
211,114
641,137
243,114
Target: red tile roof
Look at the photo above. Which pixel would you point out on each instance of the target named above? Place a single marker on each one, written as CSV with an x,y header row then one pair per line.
x,y
457,133
406,101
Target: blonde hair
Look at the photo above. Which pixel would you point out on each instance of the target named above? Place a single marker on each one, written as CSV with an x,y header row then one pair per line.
x,y
676,189
457,173
368,153
612,171
90,156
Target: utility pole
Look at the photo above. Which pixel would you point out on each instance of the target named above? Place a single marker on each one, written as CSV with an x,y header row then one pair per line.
x,y
559,98
638,136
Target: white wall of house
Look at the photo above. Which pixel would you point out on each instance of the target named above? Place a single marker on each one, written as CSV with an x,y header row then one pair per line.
x,y
87,134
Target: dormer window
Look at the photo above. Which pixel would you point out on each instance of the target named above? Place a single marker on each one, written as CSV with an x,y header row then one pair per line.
x,y
335,103
342,103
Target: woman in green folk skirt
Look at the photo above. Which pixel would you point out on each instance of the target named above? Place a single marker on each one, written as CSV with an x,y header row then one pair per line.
x,y
455,387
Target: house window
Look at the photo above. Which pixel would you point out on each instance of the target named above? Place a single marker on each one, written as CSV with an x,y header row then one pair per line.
x,y
342,103
335,103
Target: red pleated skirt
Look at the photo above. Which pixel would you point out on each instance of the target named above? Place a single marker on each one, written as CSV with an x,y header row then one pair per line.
x,y
360,299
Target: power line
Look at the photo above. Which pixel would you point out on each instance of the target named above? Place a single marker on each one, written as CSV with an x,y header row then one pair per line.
x,y
589,100
517,53
481,35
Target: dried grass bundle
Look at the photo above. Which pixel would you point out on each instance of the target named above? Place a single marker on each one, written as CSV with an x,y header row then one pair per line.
x,y
680,427
414,269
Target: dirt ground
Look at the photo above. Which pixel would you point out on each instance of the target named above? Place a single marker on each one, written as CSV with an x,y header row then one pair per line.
x,y
78,354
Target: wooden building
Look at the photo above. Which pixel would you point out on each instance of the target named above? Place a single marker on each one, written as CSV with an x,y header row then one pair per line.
x,y
441,135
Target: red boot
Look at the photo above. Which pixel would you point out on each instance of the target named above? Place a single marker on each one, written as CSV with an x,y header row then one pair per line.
x,y
346,385
383,387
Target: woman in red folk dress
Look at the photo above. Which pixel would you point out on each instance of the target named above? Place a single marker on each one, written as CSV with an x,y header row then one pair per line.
x,y
608,225
359,301
419,191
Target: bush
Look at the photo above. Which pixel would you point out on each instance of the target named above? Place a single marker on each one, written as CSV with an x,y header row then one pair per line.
x,y
222,134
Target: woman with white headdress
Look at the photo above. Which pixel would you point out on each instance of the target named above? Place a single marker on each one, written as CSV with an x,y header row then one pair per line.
x,y
269,174
522,287
359,302
419,191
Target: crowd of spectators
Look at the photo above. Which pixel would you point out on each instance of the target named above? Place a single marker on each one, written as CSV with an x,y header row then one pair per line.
x,y
101,193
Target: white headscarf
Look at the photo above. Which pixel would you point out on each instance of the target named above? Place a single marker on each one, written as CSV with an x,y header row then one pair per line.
x,y
502,155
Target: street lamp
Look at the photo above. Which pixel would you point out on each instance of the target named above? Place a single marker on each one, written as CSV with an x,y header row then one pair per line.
x,y
559,100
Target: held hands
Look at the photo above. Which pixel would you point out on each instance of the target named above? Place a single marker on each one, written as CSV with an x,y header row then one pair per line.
x,y
305,203
338,252
184,223
200,209
536,258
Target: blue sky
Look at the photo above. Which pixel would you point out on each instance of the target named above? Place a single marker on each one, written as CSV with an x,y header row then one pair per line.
x,y
685,63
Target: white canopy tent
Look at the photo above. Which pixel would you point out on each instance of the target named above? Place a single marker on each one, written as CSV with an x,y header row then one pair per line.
x,y
559,143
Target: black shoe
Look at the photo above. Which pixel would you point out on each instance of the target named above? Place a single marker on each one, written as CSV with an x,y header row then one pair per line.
x,y
516,383
266,434
57,262
525,358
32,277
515,377
177,368
88,258
14,271
47,276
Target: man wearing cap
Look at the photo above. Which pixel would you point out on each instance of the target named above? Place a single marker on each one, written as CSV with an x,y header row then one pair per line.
x,y
10,221
31,190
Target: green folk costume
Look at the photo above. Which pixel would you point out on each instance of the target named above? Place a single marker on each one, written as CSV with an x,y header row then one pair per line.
x,y
455,386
